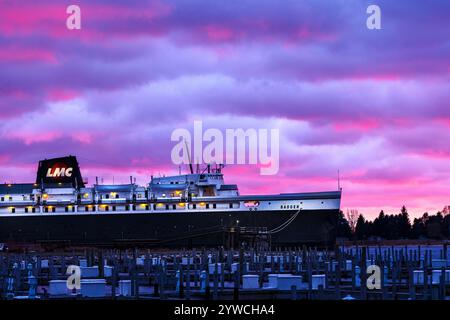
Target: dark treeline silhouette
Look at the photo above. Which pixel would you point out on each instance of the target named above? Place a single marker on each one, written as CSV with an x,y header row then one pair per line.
x,y
395,226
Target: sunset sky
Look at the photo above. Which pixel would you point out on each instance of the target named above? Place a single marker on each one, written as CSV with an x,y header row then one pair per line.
x,y
374,104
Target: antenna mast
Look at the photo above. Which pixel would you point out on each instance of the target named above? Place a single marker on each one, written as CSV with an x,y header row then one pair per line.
x,y
339,181
189,157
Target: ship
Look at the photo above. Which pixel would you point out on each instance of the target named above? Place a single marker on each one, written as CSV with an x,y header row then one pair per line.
x,y
196,209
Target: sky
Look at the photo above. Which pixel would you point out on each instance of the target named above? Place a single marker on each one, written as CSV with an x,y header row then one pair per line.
x,y
373,104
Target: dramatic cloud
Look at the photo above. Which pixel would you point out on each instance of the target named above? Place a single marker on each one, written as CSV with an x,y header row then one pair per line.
x,y
372,104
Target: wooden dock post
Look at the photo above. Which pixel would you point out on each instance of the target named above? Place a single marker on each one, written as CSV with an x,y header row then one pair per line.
x,y
101,264
216,282
363,274
236,285
188,279
114,279
181,284
294,292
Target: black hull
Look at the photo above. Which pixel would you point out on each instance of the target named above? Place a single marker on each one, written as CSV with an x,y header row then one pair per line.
x,y
315,227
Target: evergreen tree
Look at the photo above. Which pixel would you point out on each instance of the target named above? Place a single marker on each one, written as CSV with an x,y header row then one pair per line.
x,y
418,229
404,224
361,228
343,227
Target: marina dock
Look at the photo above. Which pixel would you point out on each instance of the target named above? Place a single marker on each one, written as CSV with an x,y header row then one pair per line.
x,y
406,273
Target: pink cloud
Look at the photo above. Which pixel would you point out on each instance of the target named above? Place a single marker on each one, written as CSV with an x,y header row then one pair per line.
x,y
26,55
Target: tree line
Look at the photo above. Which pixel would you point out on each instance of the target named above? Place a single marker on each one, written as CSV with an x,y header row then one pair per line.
x,y
395,226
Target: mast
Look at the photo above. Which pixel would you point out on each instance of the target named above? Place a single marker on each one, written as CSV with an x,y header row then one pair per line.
x,y
339,181
189,157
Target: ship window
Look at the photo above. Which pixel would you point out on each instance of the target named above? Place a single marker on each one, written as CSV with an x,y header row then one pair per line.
x,y
107,208
154,207
167,207
146,207
66,209
26,210
45,209
127,207
214,206
207,206
117,196
174,206
107,196
86,209
231,206
114,208
33,210
134,207
13,210
10,198
3,199
194,206
53,209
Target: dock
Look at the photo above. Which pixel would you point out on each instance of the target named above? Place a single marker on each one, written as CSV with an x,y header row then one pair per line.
x,y
405,273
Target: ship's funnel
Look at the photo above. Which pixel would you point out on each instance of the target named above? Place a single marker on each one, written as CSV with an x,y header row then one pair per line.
x,y
60,170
